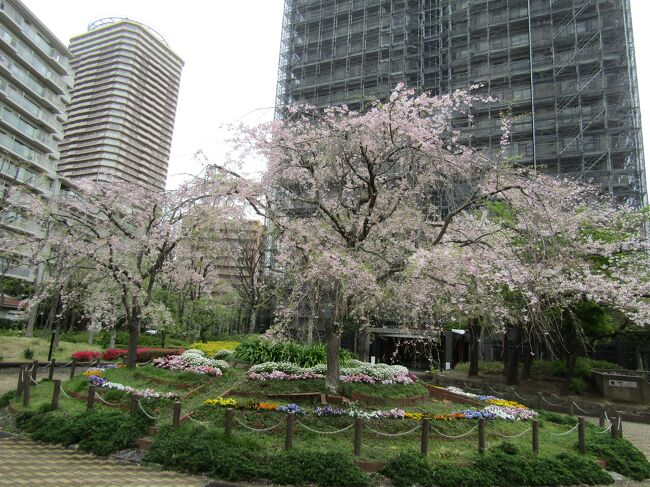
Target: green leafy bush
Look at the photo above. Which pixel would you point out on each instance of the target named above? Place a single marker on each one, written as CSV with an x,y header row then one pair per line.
x,y
100,431
28,354
256,350
503,465
6,398
201,450
326,469
621,456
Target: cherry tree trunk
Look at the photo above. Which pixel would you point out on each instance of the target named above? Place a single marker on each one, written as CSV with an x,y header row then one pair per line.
x,y
474,344
252,321
31,321
333,342
571,360
134,334
113,333
513,343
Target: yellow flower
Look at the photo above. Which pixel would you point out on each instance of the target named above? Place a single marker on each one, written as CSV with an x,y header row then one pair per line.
x,y
221,401
97,372
414,416
504,403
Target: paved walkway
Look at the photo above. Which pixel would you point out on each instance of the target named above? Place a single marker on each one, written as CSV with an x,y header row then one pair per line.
x,y
28,463
9,377
637,433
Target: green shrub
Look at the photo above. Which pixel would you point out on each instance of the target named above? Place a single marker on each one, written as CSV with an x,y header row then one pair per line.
x,y
408,469
256,350
562,419
28,354
100,431
200,450
6,398
503,465
621,456
326,469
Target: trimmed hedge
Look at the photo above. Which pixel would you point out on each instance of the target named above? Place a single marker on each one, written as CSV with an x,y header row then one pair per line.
x,y
99,431
503,466
202,450
621,456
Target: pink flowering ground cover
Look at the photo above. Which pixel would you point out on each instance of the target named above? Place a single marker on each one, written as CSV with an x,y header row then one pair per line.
x,y
177,363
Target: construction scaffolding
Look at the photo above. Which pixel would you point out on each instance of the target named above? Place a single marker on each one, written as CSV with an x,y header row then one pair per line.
x,y
563,71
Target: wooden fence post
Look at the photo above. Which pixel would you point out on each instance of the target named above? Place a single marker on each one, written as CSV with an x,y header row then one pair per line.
x,y
21,381
34,370
535,436
581,435
133,405
56,394
571,408
50,374
540,400
176,415
26,388
619,429
602,417
90,402
229,415
481,435
73,367
424,442
288,439
614,426
358,429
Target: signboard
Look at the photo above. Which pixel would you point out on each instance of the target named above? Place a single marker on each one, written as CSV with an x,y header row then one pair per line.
x,y
623,383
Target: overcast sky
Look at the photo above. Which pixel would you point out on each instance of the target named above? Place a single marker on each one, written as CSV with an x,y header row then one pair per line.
x,y
230,49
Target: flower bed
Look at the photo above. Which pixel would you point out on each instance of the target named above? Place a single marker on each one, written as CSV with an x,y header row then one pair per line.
x,y
98,381
86,356
497,408
357,372
192,361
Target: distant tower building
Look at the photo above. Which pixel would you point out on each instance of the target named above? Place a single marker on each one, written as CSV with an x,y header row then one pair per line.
x,y
563,70
35,77
121,118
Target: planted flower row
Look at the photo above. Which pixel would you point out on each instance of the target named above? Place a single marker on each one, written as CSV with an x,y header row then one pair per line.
x,y
352,411
499,408
192,360
359,372
97,381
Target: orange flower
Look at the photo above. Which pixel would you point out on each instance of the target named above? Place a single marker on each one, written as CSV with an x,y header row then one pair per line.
x,y
268,406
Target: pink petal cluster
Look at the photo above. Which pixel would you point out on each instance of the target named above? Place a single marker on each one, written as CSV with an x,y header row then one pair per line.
x,y
367,379
176,363
278,375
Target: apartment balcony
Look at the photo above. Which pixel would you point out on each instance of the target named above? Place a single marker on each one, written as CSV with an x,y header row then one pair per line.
x,y
39,138
17,222
31,59
11,268
54,57
22,152
21,175
16,99
30,84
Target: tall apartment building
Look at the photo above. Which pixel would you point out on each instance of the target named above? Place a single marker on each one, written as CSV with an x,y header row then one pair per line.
x,y
35,77
563,70
121,118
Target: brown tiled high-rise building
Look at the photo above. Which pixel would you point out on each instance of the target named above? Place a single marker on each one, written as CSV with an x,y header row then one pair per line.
x,y
121,118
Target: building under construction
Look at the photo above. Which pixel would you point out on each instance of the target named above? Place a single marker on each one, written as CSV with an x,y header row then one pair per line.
x,y
563,71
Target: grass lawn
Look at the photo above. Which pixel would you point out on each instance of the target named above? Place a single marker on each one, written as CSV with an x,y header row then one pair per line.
x,y
12,349
375,446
